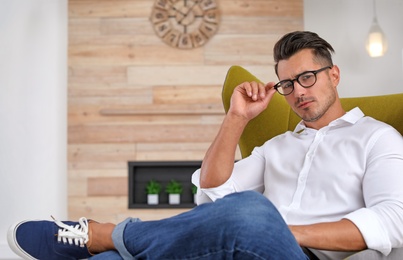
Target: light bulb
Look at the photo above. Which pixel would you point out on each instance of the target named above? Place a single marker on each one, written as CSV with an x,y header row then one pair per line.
x,y
376,41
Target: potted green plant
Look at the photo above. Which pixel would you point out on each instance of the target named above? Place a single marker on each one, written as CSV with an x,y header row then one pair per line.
x,y
153,190
174,190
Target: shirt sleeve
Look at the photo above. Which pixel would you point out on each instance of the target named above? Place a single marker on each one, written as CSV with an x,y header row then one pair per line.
x,y
248,174
381,221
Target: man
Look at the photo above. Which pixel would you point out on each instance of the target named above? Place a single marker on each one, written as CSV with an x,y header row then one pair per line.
x,y
333,185
330,176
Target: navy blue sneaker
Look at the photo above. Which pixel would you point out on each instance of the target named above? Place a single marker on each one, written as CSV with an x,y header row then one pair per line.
x,y
41,239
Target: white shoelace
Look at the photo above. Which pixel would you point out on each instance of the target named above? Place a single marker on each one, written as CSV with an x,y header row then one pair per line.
x,y
77,234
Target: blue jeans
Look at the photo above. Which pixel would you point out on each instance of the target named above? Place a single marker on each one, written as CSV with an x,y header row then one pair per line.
x,y
242,225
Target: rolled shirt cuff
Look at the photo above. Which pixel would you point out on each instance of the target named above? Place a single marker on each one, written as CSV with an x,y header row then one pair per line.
x,y
372,229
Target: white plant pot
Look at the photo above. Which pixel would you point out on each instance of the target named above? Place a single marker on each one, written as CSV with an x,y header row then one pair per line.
x,y
152,199
195,198
174,199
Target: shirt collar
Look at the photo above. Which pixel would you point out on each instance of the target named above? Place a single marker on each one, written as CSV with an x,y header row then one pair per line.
x,y
351,117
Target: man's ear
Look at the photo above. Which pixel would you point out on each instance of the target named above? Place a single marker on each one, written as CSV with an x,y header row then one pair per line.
x,y
335,75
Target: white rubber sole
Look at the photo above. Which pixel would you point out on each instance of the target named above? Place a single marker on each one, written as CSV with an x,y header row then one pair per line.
x,y
12,242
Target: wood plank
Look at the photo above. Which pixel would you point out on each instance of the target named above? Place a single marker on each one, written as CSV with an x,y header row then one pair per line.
x,y
174,151
141,133
102,77
81,94
177,75
78,27
126,26
229,45
91,115
97,172
176,155
129,55
187,94
151,112
264,25
99,155
116,8
171,151
107,186
238,59
212,119
105,101
141,8
165,109
256,8
77,186
150,40
97,208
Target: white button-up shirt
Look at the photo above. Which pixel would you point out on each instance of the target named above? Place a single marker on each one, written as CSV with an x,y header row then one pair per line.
x,y
352,168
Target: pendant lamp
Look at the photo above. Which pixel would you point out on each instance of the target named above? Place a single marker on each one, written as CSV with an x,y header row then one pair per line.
x,y
376,41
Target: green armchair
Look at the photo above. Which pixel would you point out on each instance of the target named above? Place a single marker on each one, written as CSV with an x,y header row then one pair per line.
x,y
278,118
388,109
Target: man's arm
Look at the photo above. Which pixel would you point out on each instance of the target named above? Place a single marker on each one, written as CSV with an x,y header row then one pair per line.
x,y
219,160
342,235
248,100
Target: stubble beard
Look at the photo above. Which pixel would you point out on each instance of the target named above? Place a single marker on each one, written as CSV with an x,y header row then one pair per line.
x,y
313,115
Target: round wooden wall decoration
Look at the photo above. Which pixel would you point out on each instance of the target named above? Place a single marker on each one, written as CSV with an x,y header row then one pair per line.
x,y
185,24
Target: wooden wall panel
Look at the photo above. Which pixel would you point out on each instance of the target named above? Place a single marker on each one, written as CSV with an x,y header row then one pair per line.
x,y
141,133
126,55
133,98
100,155
109,8
108,186
179,75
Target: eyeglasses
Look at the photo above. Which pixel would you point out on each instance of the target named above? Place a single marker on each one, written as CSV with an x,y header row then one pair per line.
x,y
306,79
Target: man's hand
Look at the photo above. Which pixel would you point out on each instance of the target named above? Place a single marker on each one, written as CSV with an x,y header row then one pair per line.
x,y
250,99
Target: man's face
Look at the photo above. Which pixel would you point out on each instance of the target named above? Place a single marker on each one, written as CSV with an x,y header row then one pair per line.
x,y
310,104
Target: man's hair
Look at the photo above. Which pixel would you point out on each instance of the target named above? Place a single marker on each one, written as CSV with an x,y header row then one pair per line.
x,y
293,42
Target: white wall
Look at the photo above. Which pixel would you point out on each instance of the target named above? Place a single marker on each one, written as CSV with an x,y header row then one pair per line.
x,y
345,25
33,84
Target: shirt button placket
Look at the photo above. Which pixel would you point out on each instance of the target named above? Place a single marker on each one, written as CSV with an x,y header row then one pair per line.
x,y
303,175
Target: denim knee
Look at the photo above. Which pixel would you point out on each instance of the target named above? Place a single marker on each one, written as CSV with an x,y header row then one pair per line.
x,y
249,208
250,203
253,224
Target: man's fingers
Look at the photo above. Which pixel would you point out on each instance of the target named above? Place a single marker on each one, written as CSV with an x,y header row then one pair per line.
x,y
257,90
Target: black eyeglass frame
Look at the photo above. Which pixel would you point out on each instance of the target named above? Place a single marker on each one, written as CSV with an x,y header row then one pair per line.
x,y
314,72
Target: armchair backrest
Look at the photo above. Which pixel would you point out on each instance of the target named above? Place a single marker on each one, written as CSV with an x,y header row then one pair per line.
x,y
279,118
